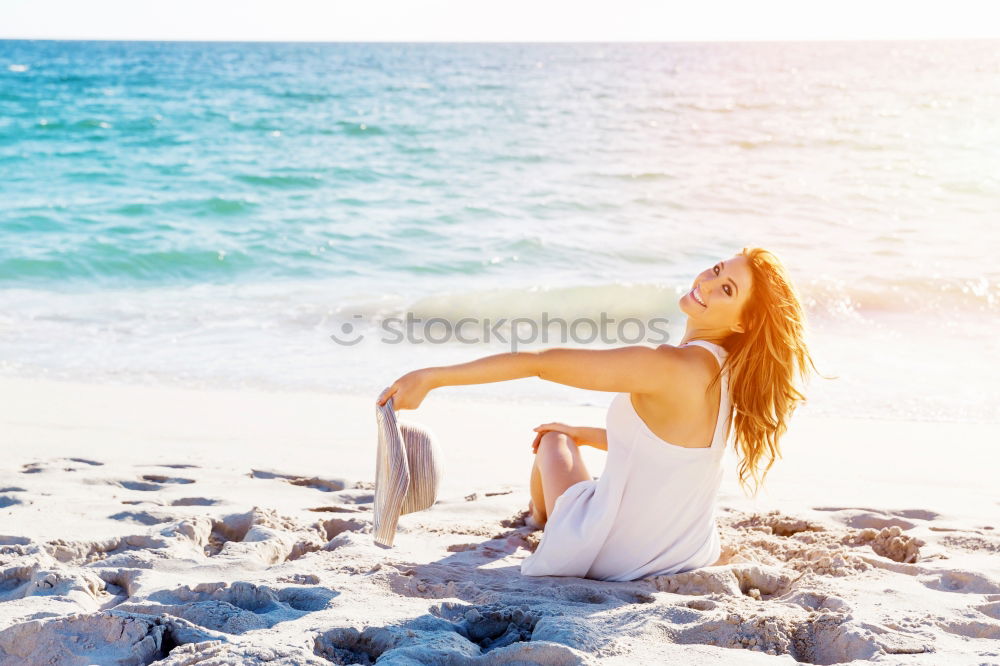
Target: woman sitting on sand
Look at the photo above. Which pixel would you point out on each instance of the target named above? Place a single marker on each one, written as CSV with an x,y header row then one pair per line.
x,y
652,511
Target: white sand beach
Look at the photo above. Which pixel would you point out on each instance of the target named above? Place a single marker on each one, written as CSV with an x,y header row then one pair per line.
x,y
184,526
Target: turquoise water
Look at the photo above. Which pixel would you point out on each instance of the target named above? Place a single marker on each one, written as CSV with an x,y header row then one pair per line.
x,y
210,213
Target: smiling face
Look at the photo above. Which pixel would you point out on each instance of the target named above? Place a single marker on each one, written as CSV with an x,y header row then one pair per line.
x,y
717,296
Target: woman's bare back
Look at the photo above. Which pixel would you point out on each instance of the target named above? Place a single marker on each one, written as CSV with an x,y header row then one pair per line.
x,y
683,415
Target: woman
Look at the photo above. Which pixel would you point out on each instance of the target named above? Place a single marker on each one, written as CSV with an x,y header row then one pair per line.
x,y
652,511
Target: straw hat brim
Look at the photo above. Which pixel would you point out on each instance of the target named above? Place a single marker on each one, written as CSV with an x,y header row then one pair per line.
x,y
408,472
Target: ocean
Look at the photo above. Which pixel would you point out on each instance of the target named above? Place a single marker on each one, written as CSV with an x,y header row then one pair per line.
x,y
215,214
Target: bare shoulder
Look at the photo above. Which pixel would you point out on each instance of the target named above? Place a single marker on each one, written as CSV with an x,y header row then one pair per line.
x,y
687,359
689,368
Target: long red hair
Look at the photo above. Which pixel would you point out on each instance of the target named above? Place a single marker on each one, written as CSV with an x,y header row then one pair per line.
x,y
763,363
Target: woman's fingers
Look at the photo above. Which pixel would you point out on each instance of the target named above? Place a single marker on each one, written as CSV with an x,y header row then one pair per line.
x,y
408,391
558,427
544,428
386,394
534,444
569,431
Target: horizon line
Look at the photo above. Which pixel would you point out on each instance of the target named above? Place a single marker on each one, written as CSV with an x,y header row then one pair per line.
x,y
498,41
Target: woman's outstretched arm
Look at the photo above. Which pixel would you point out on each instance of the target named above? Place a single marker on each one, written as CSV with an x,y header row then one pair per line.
x,y
632,369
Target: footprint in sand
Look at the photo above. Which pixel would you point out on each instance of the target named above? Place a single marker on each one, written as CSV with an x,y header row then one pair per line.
x,y
131,550
256,536
335,509
7,500
140,517
612,593
234,608
300,579
489,628
972,628
991,609
812,638
863,517
325,485
349,501
347,645
152,482
139,485
195,501
492,626
85,461
13,581
960,581
262,533
36,467
96,638
120,584
158,478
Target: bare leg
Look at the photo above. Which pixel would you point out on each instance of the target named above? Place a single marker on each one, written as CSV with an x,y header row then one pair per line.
x,y
560,465
537,504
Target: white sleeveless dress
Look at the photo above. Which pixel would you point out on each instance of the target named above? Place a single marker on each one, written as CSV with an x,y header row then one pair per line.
x,y
651,512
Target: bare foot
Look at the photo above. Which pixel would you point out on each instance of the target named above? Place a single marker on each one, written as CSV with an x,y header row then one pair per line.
x,y
530,519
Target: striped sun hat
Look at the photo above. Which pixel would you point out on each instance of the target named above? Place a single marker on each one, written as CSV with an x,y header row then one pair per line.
x,y
408,472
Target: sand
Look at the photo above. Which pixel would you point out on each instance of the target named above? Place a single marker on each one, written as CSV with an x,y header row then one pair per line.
x,y
197,526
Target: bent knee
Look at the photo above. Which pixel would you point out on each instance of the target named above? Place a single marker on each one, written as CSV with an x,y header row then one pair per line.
x,y
557,446
553,438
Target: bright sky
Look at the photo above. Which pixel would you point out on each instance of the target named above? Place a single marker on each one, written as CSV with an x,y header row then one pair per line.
x,y
497,20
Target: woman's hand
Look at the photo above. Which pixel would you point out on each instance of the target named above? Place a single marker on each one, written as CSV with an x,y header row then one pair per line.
x,y
409,391
572,432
